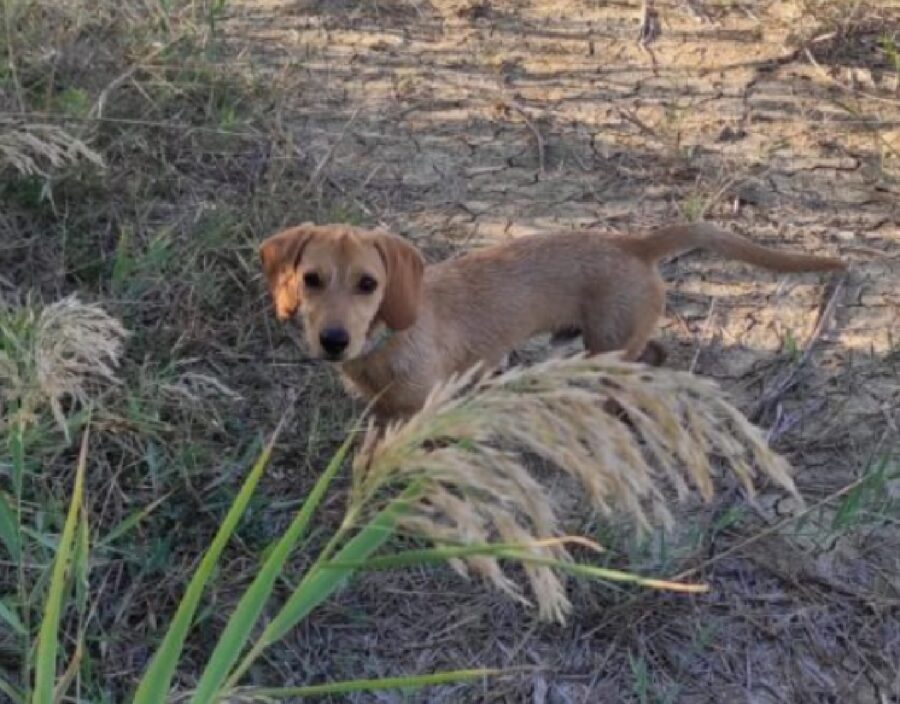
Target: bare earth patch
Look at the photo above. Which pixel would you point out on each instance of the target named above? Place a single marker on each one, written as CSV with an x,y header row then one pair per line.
x,y
461,123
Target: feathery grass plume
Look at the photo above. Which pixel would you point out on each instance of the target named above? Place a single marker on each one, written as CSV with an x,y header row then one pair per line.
x,y
31,148
196,388
67,349
466,447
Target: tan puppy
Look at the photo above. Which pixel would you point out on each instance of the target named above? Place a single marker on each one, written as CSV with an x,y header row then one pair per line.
x,y
397,327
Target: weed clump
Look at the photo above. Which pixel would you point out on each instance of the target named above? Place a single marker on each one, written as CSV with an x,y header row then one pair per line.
x,y
468,448
67,350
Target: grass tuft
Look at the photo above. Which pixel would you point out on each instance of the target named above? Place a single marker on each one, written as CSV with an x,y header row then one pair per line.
x,y
468,446
35,149
67,350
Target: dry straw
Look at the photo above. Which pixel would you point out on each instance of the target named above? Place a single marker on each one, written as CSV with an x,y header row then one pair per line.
x,y
469,447
32,148
67,350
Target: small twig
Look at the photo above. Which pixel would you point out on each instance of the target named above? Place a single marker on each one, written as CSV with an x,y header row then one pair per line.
x,y
97,110
774,528
359,204
714,198
703,334
637,122
786,381
158,124
11,58
649,31
323,162
277,361
534,130
784,422
861,93
700,13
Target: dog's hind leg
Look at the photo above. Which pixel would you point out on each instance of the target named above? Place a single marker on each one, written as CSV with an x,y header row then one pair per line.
x,y
654,354
627,325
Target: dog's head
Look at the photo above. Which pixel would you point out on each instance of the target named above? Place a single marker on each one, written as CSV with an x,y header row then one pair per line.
x,y
344,281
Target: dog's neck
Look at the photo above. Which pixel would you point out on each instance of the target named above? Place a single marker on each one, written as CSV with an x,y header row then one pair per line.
x,y
389,361
369,374
376,340
371,369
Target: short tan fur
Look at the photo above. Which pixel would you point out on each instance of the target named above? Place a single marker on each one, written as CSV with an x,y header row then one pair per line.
x,y
349,284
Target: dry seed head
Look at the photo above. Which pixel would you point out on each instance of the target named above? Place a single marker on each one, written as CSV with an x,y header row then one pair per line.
x,y
466,448
33,148
68,349
196,388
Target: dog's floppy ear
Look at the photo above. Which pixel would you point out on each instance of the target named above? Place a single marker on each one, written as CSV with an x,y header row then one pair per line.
x,y
280,255
403,289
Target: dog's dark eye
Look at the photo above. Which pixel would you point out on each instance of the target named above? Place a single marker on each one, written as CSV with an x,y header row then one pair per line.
x,y
367,284
312,280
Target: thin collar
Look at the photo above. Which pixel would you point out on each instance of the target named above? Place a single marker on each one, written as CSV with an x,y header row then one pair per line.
x,y
377,339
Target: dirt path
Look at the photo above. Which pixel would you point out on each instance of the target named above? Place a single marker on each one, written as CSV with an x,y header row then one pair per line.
x,y
457,123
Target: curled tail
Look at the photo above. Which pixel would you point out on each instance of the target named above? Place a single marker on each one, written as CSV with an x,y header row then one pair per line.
x,y
681,238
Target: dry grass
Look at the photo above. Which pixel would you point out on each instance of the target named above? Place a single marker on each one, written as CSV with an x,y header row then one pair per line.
x,y
36,150
66,350
479,487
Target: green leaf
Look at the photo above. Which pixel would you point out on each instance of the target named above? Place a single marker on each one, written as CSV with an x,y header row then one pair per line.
x,y
869,490
81,565
15,695
74,102
509,552
372,685
123,263
48,541
8,614
320,583
130,522
849,508
154,685
68,675
17,450
47,645
234,638
9,528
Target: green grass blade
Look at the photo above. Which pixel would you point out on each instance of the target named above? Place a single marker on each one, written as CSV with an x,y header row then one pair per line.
x,y
12,618
130,522
234,637
372,685
81,565
48,541
9,531
14,694
319,583
68,675
863,497
509,552
47,645
154,685
609,575
17,451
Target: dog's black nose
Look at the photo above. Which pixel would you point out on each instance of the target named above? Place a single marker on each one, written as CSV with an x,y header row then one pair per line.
x,y
334,341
